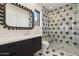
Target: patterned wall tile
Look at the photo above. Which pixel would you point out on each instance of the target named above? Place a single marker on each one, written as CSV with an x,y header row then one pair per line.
x,y
62,24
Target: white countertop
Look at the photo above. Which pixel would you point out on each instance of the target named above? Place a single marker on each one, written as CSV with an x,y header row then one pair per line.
x,y
10,39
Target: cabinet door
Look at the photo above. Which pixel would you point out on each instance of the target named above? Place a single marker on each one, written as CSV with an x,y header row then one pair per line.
x,y
12,48
19,48
8,49
27,47
4,50
37,44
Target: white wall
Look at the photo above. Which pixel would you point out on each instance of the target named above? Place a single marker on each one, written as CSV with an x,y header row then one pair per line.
x,y
7,36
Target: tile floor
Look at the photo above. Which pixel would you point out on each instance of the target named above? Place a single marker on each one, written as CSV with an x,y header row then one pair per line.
x,y
53,52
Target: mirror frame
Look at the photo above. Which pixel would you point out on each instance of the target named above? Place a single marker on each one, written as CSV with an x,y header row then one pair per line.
x,y
18,28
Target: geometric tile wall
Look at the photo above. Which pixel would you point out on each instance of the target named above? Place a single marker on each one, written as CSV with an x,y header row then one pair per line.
x,y
46,26
60,25
44,23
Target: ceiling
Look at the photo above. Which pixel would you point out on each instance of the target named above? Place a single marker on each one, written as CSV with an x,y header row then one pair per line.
x,y
52,5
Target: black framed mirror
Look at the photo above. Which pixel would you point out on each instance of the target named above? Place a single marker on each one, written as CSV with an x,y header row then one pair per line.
x,y
18,17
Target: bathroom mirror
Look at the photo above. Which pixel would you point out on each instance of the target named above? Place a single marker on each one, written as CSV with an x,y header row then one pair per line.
x,y
18,16
37,18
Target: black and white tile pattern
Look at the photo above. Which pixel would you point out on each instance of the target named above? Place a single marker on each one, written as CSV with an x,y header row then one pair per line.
x,y
53,52
62,25
46,25
59,24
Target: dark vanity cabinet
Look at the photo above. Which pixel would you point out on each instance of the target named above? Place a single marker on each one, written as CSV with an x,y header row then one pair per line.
x,y
21,48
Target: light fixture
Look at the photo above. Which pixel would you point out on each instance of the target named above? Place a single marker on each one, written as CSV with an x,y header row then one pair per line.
x,y
50,7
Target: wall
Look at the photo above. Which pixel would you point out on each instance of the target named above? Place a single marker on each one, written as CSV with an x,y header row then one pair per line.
x,y
7,36
63,28
45,24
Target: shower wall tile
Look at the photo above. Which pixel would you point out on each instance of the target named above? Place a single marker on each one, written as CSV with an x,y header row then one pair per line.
x,y
63,26
62,21
46,25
